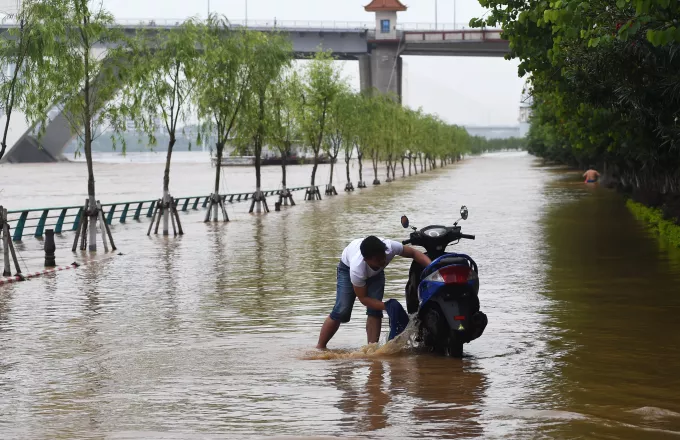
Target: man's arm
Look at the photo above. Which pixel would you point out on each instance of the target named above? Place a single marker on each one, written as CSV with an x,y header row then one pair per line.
x,y
362,294
418,256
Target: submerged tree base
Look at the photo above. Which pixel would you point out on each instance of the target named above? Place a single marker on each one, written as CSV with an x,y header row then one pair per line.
x,y
667,230
361,184
349,187
313,193
330,190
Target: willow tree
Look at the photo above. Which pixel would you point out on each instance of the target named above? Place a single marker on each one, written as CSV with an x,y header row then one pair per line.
x,y
321,86
352,127
21,49
82,79
269,54
223,84
284,129
364,130
341,125
160,97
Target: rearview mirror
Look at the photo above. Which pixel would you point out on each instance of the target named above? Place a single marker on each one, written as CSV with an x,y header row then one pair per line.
x,y
404,221
463,212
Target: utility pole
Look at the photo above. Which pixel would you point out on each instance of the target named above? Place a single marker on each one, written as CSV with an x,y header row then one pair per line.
x,y
246,13
454,15
208,9
436,10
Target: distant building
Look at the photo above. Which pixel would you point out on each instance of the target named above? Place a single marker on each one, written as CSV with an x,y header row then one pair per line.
x,y
525,112
494,132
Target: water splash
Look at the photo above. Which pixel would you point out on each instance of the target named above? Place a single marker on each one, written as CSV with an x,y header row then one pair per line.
x,y
403,343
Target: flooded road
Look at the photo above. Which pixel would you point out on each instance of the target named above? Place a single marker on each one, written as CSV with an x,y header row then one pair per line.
x,y
211,335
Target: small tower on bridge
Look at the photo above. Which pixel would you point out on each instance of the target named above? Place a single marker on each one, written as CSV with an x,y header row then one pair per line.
x,y
381,69
385,17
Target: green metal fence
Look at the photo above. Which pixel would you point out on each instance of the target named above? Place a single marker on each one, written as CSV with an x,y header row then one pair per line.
x,y
33,222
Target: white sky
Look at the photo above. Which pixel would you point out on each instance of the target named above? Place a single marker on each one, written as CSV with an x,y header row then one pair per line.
x,y
462,90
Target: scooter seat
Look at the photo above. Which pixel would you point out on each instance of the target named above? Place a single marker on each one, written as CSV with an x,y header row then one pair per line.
x,y
448,261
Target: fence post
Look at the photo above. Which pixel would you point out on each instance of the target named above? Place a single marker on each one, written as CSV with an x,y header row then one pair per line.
x,y
123,216
41,224
196,203
186,204
138,211
60,221
109,217
76,222
150,211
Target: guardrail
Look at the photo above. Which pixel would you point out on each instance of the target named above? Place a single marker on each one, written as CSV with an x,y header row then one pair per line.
x,y
460,35
280,24
33,222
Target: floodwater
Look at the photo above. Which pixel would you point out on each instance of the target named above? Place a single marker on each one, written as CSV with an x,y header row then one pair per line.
x,y
211,335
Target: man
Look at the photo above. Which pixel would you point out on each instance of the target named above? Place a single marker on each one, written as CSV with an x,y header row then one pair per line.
x,y
591,175
360,275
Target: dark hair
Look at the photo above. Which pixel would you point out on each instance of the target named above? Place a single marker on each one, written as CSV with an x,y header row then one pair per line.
x,y
372,247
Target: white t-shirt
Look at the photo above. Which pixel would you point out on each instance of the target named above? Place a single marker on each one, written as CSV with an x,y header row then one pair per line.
x,y
359,271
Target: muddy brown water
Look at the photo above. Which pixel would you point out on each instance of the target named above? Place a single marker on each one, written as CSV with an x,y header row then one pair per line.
x,y
211,335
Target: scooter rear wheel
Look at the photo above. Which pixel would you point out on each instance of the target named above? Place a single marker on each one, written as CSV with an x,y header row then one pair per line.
x,y
454,348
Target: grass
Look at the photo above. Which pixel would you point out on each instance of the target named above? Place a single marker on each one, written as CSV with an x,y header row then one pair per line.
x,y
667,230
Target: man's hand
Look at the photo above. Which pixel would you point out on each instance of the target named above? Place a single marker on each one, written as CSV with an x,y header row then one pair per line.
x,y
362,294
417,256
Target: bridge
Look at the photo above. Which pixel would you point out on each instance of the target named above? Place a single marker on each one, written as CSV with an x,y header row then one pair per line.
x,y
378,52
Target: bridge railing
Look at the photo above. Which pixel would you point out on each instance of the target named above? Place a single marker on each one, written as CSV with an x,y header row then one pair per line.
x,y
459,35
33,222
283,24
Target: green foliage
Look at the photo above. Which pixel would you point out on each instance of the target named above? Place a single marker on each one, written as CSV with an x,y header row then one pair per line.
x,y
80,79
21,49
605,82
257,124
667,230
321,84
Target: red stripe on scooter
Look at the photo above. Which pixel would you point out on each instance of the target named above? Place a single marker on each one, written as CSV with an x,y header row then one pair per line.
x,y
459,318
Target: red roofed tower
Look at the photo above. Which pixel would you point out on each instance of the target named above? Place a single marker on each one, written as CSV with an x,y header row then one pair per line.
x,y
385,17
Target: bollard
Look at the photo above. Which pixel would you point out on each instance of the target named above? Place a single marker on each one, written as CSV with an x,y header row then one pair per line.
x,y
277,206
50,248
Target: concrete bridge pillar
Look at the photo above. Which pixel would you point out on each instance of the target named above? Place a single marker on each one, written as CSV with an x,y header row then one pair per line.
x,y
381,69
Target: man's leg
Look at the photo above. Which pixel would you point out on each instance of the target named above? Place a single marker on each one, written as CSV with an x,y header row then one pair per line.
x,y
373,326
342,311
328,329
375,287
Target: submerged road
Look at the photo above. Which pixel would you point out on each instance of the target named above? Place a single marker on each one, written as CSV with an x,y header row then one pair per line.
x,y
211,335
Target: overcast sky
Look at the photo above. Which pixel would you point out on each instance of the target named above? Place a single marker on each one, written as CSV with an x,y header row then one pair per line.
x,y
462,90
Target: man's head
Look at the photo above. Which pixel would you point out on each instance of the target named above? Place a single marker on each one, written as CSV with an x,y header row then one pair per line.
x,y
373,251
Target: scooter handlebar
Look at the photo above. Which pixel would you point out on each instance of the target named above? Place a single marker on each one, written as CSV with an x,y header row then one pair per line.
x,y
405,242
469,237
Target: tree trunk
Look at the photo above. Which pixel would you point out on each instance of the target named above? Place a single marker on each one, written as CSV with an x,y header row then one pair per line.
x,y
389,169
166,186
284,156
403,169
375,165
316,165
92,245
330,181
220,150
347,159
360,157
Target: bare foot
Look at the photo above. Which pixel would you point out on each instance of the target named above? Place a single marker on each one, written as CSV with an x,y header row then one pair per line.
x,y
319,347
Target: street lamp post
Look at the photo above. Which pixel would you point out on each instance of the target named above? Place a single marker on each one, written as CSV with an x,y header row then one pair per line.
x,y
435,15
454,15
246,13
